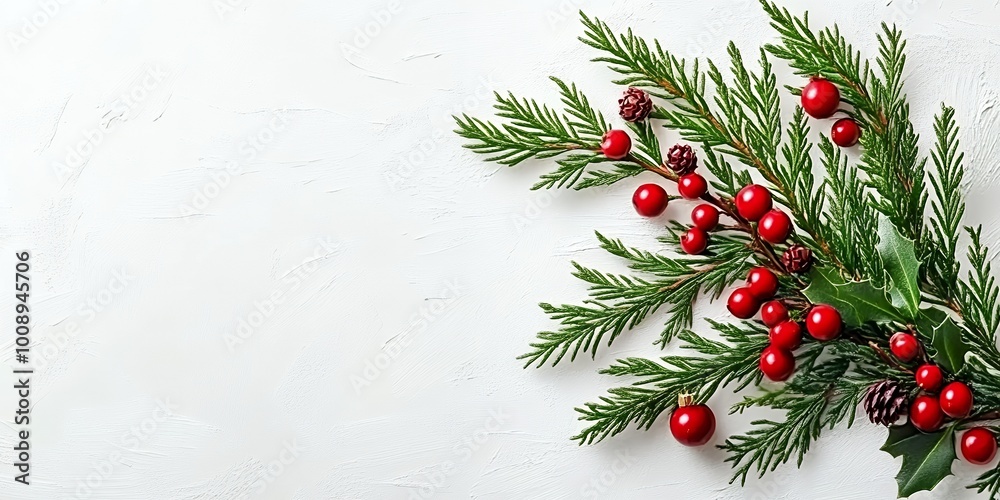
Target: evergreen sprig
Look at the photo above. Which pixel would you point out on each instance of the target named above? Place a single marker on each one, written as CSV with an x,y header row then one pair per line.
x,y
900,275
717,364
535,131
618,302
939,250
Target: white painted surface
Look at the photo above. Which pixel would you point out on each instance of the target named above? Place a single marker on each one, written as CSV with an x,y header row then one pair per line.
x,y
149,254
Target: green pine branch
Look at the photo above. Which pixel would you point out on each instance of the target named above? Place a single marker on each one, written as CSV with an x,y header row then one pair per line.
x,y
978,295
618,303
534,131
890,155
744,121
821,395
989,481
851,225
939,250
716,365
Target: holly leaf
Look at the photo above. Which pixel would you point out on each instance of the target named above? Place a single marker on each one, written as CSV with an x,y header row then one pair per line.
x,y
899,258
927,458
949,346
859,302
944,337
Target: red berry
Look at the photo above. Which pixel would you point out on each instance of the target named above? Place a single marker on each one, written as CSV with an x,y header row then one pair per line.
x,y
845,132
616,144
776,363
786,335
904,346
925,414
929,377
820,98
775,226
979,446
956,400
823,322
692,425
763,284
694,241
753,201
742,303
773,312
705,217
650,200
692,186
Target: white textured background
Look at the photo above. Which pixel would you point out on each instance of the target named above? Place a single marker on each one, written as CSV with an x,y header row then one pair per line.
x,y
264,268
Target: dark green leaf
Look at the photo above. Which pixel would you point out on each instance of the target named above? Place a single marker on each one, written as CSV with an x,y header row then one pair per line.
x,y
859,302
899,259
949,345
927,458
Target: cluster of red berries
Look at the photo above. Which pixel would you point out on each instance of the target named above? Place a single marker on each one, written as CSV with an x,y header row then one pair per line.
x,y
821,99
954,400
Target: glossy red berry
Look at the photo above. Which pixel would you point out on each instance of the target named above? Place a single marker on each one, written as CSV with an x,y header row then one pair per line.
x,y
705,217
773,312
904,346
692,425
777,363
753,201
845,132
925,414
823,322
956,400
929,377
979,446
694,241
763,284
616,144
775,226
692,186
820,98
650,200
742,303
786,335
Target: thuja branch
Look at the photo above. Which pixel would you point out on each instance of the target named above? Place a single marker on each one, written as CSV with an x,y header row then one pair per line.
x,y
619,302
890,156
752,138
716,365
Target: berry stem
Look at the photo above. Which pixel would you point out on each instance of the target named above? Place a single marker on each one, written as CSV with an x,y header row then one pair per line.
x,y
742,224
882,354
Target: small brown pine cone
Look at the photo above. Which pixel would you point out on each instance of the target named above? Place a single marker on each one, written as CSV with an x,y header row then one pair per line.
x,y
682,159
885,402
635,105
797,259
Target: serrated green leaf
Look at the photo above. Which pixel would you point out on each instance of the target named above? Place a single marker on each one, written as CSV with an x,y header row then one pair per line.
x,y
927,458
859,302
899,258
949,346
